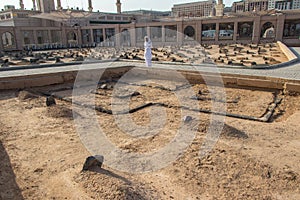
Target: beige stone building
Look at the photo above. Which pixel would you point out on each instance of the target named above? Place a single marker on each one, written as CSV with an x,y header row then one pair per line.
x,y
284,4
60,28
250,6
263,5
194,9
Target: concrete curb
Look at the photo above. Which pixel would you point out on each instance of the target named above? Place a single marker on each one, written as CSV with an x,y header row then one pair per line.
x,y
291,87
55,65
229,80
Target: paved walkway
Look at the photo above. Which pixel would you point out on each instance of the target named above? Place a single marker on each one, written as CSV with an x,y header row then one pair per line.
x,y
288,72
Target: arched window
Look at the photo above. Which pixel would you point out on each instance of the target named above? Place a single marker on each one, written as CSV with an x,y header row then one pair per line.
x,y
189,31
8,39
268,30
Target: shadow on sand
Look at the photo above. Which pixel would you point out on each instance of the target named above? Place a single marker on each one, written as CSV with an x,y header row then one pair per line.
x,y
9,189
229,131
109,173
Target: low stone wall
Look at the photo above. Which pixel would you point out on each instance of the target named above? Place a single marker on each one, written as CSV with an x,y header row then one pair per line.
x,y
291,87
289,54
38,80
194,77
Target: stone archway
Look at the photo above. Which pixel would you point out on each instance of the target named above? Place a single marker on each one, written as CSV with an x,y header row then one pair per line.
x,y
8,39
267,30
189,32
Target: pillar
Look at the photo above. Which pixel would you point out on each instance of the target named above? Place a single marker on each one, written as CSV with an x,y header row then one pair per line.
x,y
220,8
50,37
163,34
46,6
17,45
104,35
199,32
64,36
133,36
256,30
90,5
1,45
58,5
280,27
79,37
217,31
119,9
35,37
21,5
92,36
38,5
118,36
235,31
34,5
180,34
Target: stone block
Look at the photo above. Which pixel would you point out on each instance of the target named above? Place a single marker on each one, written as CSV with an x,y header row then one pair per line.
x,y
292,87
259,83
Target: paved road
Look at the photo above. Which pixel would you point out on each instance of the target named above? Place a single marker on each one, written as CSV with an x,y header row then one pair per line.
x,y
288,72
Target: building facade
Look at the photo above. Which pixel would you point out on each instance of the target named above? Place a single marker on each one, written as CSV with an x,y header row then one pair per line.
x,y
24,29
296,4
249,6
195,9
264,5
284,4
148,12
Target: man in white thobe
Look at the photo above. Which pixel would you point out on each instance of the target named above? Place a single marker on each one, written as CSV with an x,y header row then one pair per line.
x,y
148,53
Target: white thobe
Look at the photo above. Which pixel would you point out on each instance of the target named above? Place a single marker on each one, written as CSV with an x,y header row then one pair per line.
x,y
148,53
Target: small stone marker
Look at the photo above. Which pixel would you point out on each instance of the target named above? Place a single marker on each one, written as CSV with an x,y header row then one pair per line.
x,y
6,63
57,59
104,86
92,161
50,101
79,58
187,119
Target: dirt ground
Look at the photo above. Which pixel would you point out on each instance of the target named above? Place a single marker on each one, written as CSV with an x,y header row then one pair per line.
x,y
42,155
248,55
236,54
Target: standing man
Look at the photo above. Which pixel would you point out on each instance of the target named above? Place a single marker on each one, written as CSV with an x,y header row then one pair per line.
x,y
148,53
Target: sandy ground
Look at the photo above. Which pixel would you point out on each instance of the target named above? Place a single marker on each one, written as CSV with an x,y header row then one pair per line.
x,y
42,155
236,54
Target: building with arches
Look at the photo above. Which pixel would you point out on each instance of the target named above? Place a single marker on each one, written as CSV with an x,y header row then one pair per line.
x,y
35,29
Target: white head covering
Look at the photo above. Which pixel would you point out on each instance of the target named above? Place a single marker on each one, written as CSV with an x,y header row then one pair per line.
x,y
146,38
147,44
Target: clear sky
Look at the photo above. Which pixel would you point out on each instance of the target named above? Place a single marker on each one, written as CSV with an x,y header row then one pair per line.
x,y
109,5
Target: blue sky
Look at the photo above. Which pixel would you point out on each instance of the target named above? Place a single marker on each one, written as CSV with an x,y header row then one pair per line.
x,y
109,5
